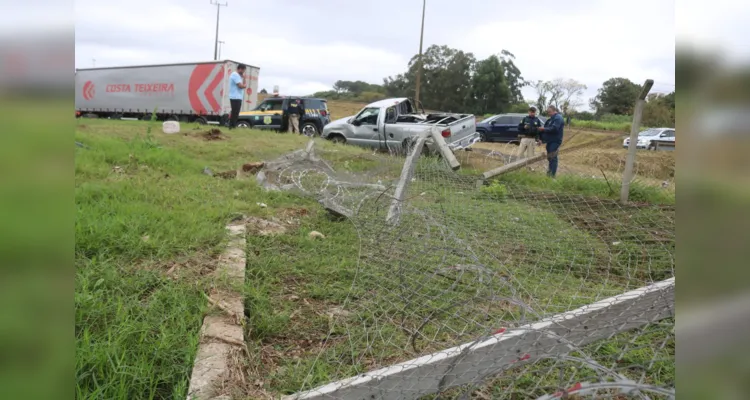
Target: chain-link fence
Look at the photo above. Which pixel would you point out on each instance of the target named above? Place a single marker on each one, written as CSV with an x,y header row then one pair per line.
x,y
492,291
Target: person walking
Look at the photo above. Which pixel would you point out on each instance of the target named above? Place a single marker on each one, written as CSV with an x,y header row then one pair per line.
x,y
236,93
529,133
552,136
293,110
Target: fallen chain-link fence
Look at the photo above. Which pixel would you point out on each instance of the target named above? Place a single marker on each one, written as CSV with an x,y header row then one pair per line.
x,y
490,291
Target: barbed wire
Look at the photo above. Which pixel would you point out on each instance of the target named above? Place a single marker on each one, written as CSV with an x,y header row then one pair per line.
x,y
499,292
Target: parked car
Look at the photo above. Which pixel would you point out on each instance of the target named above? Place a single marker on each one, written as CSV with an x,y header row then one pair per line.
x,y
269,115
501,128
393,123
646,137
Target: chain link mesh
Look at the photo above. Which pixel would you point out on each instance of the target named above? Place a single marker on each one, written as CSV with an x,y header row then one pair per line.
x,y
467,265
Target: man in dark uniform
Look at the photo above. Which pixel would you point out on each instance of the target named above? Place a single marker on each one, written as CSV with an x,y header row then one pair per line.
x,y
529,133
293,110
552,135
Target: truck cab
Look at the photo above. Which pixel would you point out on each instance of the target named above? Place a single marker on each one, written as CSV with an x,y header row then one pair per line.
x,y
271,112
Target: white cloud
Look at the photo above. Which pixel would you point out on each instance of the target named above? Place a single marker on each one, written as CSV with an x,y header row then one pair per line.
x,y
590,47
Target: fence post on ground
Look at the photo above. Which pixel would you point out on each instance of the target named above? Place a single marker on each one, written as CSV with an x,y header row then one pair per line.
x,y
627,175
394,212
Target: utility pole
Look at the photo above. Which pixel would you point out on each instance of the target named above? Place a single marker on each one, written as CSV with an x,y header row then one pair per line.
x,y
216,40
635,127
220,43
419,67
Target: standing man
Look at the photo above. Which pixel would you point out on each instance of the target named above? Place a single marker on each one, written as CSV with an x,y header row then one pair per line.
x,y
552,135
529,133
236,93
294,110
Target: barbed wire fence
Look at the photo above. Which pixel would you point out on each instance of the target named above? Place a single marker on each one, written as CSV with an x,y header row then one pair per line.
x,y
490,291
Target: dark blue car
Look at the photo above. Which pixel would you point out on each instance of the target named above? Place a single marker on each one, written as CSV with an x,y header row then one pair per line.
x,y
501,128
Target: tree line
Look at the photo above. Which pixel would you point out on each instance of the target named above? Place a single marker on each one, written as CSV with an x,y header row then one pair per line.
x,y
456,81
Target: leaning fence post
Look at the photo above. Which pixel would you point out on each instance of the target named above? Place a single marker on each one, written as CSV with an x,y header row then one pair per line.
x,y
444,149
394,212
627,175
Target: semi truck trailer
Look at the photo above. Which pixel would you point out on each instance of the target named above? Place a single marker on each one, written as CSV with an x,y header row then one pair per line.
x,y
187,92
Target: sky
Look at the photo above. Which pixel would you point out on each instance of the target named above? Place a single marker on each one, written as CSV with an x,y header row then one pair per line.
x,y
304,47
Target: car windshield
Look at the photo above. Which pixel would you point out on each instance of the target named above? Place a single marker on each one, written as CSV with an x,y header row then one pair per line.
x,y
649,132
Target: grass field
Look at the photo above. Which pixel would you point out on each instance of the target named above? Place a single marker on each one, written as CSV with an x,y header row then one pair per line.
x,y
150,225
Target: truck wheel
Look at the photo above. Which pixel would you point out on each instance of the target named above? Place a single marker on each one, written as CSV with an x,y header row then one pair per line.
x,y
201,121
309,129
338,139
482,137
243,124
173,118
90,115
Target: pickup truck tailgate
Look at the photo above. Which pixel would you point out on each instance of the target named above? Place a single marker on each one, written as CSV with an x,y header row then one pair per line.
x,y
463,132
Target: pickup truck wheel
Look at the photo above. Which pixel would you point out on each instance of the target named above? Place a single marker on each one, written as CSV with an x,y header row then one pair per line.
x,y
243,124
482,137
338,139
309,129
652,146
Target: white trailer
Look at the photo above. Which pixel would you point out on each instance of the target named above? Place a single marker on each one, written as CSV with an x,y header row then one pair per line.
x,y
187,92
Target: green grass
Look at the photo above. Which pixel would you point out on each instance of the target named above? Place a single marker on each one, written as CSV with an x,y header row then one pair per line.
x,y
642,193
137,326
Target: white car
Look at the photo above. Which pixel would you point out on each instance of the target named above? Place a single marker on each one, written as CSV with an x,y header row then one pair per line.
x,y
645,137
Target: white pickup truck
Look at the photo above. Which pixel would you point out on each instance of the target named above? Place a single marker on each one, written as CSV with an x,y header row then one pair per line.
x,y
393,124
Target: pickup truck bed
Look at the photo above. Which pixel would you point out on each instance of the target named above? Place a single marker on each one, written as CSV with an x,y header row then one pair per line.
x,y
392,124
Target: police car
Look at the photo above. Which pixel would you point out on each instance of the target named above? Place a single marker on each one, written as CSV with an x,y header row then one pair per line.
x,y
269,115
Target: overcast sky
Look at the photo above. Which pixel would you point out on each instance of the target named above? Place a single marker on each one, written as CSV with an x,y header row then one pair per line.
x,y
305,46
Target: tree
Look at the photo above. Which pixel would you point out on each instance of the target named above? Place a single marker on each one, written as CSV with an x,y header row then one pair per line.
x,y
263,91
564,94
616,96
490,92
659,110
513,78
570,98
446,79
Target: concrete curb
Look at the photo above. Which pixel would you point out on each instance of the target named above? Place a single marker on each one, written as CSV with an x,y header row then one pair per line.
x,y
221,333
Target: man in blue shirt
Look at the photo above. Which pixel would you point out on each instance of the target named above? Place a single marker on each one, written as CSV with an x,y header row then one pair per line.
x,y
552,135
236,92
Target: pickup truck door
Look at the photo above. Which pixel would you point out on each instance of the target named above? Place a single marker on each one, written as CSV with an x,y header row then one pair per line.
x,y
384,121
365,130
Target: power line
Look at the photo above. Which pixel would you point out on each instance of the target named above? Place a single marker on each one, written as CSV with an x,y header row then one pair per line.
x,y
216,40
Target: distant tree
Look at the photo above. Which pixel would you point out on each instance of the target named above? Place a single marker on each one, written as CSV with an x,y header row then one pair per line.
x,y
489,92
571,92
513,78
659,110
263,91
616,96
564,94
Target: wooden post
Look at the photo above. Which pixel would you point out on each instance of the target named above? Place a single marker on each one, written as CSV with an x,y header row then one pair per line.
x,y
419,68
627,175
444,149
